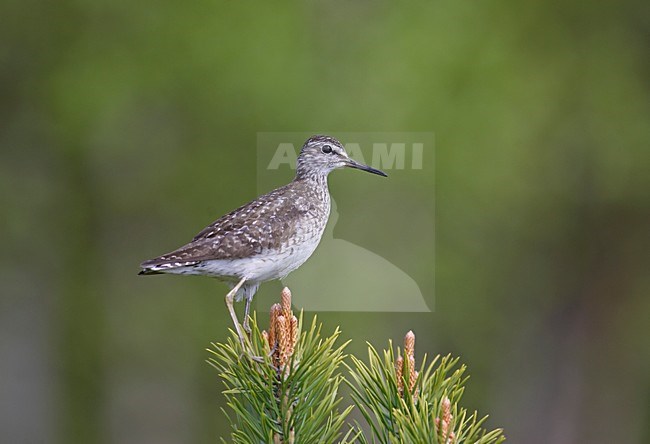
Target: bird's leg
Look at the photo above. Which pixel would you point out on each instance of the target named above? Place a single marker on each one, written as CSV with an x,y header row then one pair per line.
x,y
230,297
247,327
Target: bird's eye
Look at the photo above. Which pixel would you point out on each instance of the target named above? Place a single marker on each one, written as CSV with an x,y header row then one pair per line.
x,y
326,149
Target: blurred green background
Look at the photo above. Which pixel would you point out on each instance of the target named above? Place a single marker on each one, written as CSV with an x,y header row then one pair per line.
x,y
125,127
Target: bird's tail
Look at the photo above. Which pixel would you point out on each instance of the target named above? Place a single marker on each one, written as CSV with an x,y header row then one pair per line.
x,y
162,265
148,271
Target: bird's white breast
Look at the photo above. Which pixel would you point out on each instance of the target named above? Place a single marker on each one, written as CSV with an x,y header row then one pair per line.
x,y
266,266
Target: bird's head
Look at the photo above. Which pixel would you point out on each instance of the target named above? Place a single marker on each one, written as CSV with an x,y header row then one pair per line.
x,y
322,154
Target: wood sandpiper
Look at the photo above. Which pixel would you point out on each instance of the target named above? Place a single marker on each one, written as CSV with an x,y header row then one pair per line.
x,y
269,237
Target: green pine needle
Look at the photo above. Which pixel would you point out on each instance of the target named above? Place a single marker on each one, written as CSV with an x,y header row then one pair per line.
x,y
299,403
410,416
298,406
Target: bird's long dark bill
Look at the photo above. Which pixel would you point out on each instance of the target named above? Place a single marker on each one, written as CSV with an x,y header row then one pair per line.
x,y
359,166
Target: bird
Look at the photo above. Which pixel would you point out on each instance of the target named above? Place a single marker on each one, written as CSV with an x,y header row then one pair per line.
x,y
267,238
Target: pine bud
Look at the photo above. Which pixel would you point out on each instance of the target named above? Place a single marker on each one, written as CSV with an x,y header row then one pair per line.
x,y
285,299
409,344
399,371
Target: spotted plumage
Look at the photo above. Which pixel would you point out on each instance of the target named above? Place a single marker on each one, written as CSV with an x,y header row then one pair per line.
x,y
269,237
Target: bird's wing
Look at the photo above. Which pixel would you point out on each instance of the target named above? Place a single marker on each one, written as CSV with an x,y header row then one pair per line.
x,y
249,230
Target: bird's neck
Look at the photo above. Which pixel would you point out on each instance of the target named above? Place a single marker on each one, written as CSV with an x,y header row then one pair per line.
x,y
312,178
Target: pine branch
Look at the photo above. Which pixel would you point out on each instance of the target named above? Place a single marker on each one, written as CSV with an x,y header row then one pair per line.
x,y
292,395
401,404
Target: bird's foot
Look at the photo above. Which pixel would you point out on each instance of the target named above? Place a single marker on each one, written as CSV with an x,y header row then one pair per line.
x,y
246,350
272,351
258,359
247,327
252,357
